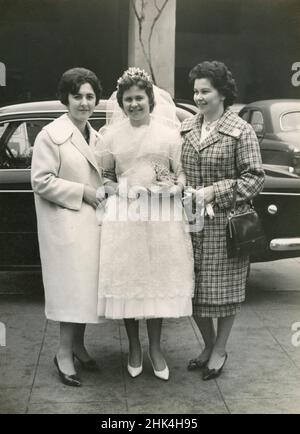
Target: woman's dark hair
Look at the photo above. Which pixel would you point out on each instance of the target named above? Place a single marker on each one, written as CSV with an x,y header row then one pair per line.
x,y
73,79
138,79
219,76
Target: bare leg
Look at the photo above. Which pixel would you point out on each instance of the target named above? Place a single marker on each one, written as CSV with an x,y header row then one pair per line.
x,y
65,351
78,345
207,330
154,333
132,329
218,354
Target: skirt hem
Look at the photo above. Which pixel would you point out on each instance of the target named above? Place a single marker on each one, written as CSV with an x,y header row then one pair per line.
x,y
145,308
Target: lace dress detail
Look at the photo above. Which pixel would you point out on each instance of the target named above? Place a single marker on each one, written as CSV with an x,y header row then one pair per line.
x,y
146,257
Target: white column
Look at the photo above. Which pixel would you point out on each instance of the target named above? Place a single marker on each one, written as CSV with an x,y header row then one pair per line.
x,y
161,54
2,74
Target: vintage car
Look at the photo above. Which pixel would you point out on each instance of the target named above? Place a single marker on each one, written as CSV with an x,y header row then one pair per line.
x,y
192,108
278,205
236,108
187,105
277,126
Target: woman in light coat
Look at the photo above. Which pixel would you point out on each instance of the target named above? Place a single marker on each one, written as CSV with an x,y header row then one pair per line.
x,y
220,151
65,177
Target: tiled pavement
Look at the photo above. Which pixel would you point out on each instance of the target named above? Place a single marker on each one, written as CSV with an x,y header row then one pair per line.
x,y
262,374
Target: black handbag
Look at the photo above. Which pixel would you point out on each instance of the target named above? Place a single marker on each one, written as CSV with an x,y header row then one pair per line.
x,y
244,232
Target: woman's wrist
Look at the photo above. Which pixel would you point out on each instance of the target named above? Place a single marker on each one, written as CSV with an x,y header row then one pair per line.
x,y
209,194
111,188
180,185
100,194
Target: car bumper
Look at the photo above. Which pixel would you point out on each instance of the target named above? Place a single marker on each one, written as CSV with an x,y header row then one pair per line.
x,y
285,244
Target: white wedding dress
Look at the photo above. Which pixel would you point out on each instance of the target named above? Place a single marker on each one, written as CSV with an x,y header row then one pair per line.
x,y
146,257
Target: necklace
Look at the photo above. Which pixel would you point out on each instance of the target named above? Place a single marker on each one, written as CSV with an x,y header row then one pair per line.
x,y
209,125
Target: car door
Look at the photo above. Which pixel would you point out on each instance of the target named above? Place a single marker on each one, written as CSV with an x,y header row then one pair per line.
x,y
18,231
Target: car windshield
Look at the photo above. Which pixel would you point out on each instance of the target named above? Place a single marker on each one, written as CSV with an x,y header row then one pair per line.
x,y
290,121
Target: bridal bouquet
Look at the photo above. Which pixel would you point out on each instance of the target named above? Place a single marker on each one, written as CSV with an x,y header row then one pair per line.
x,y
163,174
147,176
163,179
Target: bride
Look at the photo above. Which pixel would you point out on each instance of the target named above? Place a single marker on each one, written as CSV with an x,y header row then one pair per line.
x,y
146,260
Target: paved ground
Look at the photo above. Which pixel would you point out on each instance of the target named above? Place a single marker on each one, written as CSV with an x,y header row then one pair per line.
x,y
262,374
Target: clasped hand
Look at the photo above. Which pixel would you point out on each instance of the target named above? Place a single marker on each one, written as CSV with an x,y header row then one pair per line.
x,y
204,197
167,190
95,197
135,191
90,196
207,193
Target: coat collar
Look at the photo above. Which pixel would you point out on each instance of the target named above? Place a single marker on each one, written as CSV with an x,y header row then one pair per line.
x,y
229,124
63,129
190,129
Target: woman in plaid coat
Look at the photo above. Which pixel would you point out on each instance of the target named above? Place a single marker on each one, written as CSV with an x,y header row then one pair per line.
x,y
219,151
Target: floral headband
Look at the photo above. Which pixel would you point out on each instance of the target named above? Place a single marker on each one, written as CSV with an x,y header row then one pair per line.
x,y
134,72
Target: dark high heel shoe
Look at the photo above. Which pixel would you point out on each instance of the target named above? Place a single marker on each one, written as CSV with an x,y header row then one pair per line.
x,y
69,380
209,374
89,365
196,364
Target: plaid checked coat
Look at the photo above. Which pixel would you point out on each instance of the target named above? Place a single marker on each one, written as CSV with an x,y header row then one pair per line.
x,y
228,155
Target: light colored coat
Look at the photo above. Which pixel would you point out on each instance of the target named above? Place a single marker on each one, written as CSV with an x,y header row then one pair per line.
x,y
68,231
229,155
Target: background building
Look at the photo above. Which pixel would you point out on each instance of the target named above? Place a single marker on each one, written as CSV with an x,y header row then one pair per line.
x,y
258,39
39,39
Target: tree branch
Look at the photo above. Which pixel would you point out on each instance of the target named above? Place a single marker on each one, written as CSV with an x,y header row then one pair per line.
x,y
140,18
155,4
160,10
133,4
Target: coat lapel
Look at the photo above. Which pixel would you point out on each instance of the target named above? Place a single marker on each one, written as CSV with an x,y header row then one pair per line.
x,y
63,129
210,140
229,124
191,131
87,151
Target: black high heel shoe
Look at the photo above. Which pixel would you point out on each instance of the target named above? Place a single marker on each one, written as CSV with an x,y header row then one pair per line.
x,y
69,380
195,364
89,365
209,374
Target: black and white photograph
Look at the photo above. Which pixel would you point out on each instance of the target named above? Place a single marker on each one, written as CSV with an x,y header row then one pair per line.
x,y
149,209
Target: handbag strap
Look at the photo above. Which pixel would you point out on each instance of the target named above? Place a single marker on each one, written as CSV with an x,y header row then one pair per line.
x,y
233,205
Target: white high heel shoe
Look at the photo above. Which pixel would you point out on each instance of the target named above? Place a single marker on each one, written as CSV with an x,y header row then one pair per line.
x,y
134,372
163,374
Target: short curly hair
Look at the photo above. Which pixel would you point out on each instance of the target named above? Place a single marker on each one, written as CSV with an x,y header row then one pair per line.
x,y
127,81
219,76
73,79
